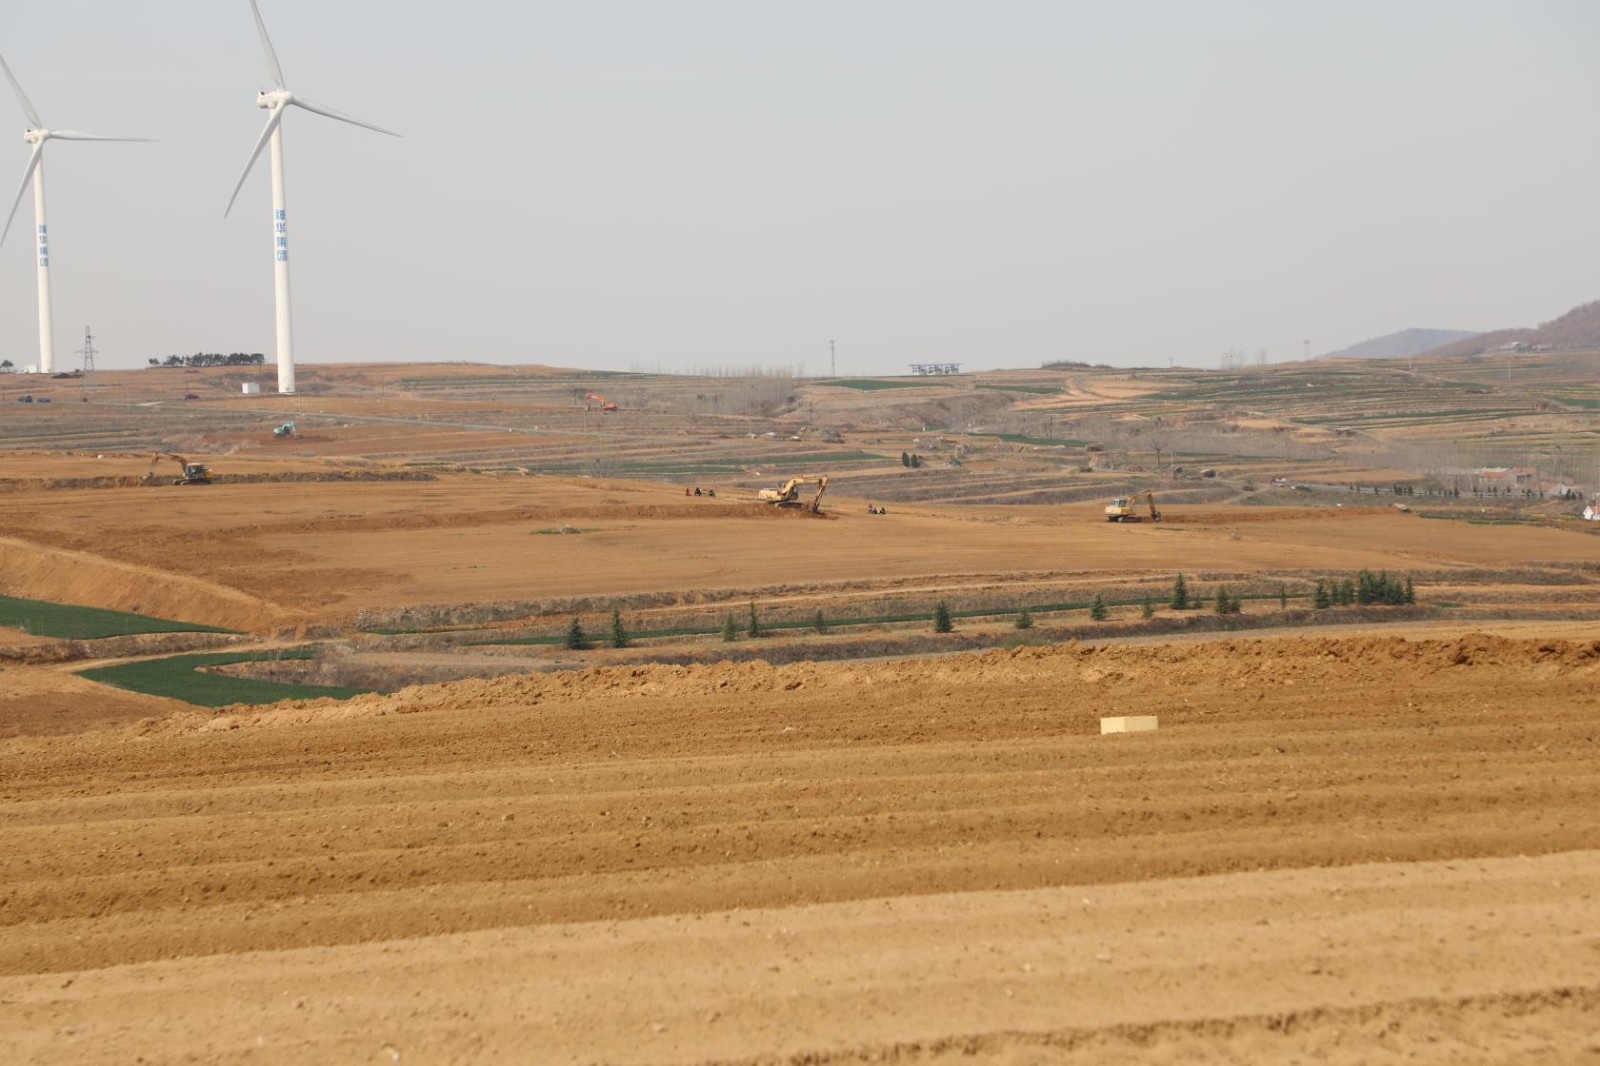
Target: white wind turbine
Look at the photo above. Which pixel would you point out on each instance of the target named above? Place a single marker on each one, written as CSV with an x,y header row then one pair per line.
x,y
275,101
36,135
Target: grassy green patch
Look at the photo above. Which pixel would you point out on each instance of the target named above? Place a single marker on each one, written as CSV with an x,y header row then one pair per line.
x,y
1037,390
179,677
45,619
878,384
1044,442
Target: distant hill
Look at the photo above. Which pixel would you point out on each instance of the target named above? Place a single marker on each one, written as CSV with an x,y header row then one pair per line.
x,y
1399,345
1578,328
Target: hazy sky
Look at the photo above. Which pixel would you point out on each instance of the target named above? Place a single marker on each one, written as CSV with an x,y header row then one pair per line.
x,y
699,184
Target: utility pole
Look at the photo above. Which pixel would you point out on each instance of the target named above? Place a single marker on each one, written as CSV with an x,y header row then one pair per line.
x,y
833,363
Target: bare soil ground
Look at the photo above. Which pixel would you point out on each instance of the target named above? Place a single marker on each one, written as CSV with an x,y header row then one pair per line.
x,y
36,701
1344,845
915,861
259,555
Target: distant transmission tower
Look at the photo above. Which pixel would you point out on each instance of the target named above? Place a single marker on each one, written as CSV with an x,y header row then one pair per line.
x,y
833,363
87,351
1307,343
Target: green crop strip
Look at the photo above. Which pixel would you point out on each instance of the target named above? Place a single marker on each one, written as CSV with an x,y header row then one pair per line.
x,y
180,677
68,622
1037,390
876,385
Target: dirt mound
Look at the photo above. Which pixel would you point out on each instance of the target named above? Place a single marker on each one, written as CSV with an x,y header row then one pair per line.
x,y
38,702
41,650
60,576
1154,670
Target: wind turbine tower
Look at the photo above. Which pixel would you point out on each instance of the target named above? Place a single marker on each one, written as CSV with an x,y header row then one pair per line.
x,y
36,135
275,102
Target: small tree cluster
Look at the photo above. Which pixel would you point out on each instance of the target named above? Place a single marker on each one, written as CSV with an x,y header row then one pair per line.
x,y
1383,589
1226,604
941,618
1097,609
1024,619
1366,589
576,640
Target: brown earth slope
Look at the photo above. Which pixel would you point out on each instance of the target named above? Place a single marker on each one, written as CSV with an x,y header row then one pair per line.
x,y
913,861
257,556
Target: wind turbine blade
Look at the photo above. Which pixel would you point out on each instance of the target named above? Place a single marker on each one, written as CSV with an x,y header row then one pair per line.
x,y
266,134
266,46
27,105
328,112
74,135
27,176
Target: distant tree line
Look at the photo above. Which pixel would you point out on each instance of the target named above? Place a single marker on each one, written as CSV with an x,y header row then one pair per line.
x,y
212,359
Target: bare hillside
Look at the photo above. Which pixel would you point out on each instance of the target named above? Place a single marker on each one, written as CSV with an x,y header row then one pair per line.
x,y
1578,328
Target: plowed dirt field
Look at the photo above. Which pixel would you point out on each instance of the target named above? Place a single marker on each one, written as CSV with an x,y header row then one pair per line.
x,y
1335,849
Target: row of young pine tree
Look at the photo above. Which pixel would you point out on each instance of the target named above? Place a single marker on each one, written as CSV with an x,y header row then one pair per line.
x,y
1365,589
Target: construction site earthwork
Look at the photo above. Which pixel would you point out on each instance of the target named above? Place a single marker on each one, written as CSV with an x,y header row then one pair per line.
x,y
469,713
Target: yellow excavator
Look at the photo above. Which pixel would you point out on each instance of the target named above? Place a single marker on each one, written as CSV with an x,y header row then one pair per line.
x,y
788,494
1126,509
193,473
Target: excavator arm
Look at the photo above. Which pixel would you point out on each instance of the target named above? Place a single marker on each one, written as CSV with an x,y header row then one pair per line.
x,y
815,506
